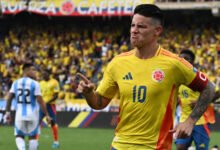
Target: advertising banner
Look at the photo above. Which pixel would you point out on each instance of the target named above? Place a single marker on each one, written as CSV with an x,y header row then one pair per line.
x,y
72,7
70,105
90,120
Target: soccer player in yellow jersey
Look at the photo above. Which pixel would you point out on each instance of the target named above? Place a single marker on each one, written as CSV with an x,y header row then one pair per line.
x,y
50,89
147,79
201,132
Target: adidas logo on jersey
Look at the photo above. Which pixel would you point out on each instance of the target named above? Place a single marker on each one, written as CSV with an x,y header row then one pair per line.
x,y
128,76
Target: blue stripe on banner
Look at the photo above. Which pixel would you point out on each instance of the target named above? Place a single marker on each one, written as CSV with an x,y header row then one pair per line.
x,y
32,95
86,119
24,109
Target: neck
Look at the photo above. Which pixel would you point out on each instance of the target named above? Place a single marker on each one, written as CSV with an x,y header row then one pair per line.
x,y
147,52
25,75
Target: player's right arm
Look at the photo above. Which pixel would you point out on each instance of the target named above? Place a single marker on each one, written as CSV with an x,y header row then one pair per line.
x,y
94,100
8,107
9,99
41,102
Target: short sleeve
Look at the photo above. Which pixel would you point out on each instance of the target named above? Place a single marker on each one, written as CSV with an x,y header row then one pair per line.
x,y
37,91
190,76
12,89
108,86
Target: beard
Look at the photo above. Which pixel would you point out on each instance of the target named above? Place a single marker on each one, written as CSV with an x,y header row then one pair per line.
x,y
136,43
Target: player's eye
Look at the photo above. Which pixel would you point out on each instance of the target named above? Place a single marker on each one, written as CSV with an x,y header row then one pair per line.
x,y
132,25
141,26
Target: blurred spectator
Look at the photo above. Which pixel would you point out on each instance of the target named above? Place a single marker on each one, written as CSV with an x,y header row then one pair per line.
x,y
185,0
67,46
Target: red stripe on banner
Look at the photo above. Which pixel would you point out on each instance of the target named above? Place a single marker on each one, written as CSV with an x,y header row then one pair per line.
x,y
89,119
165,138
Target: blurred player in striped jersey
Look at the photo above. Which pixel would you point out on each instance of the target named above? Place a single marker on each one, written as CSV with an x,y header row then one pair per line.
x,y
188,98
50,89
27,94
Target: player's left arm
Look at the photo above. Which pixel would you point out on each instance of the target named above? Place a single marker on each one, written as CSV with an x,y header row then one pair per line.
x,y
215,100
197,81
207,92
205,98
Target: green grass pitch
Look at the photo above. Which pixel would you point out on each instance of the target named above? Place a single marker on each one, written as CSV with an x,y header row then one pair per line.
x,y
74,139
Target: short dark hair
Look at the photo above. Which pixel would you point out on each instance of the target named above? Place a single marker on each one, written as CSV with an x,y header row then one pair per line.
x,y
47,71
150,10
189,52
27,65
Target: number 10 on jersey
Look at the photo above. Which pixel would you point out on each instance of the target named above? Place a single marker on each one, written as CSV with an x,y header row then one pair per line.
x,y
139,93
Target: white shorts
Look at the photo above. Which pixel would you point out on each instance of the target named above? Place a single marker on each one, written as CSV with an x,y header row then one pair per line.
x,y
26,127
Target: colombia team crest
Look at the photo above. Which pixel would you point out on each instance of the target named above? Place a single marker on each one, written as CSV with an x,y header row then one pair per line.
x,y
158,75
67,7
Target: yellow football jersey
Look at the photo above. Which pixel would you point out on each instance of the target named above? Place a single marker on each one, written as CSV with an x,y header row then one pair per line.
x,y
187,96
48,89
148,91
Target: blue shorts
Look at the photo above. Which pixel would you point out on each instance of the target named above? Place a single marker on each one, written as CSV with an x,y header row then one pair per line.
x,y
200,135
112,148
51,108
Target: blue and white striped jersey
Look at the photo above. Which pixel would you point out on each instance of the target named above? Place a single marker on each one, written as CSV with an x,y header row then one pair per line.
x,y
26,90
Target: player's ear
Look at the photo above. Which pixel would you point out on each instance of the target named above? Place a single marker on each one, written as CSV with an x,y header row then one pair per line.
x,y
158,30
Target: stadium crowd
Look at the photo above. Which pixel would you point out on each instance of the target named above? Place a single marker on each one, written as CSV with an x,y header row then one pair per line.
x,y
185,0
86,47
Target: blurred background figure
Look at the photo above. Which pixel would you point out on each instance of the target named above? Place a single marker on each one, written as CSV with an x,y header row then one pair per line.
x,y
50,89
187,101
27,94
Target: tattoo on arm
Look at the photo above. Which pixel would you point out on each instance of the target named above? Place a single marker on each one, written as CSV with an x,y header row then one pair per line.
x,y
204,100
